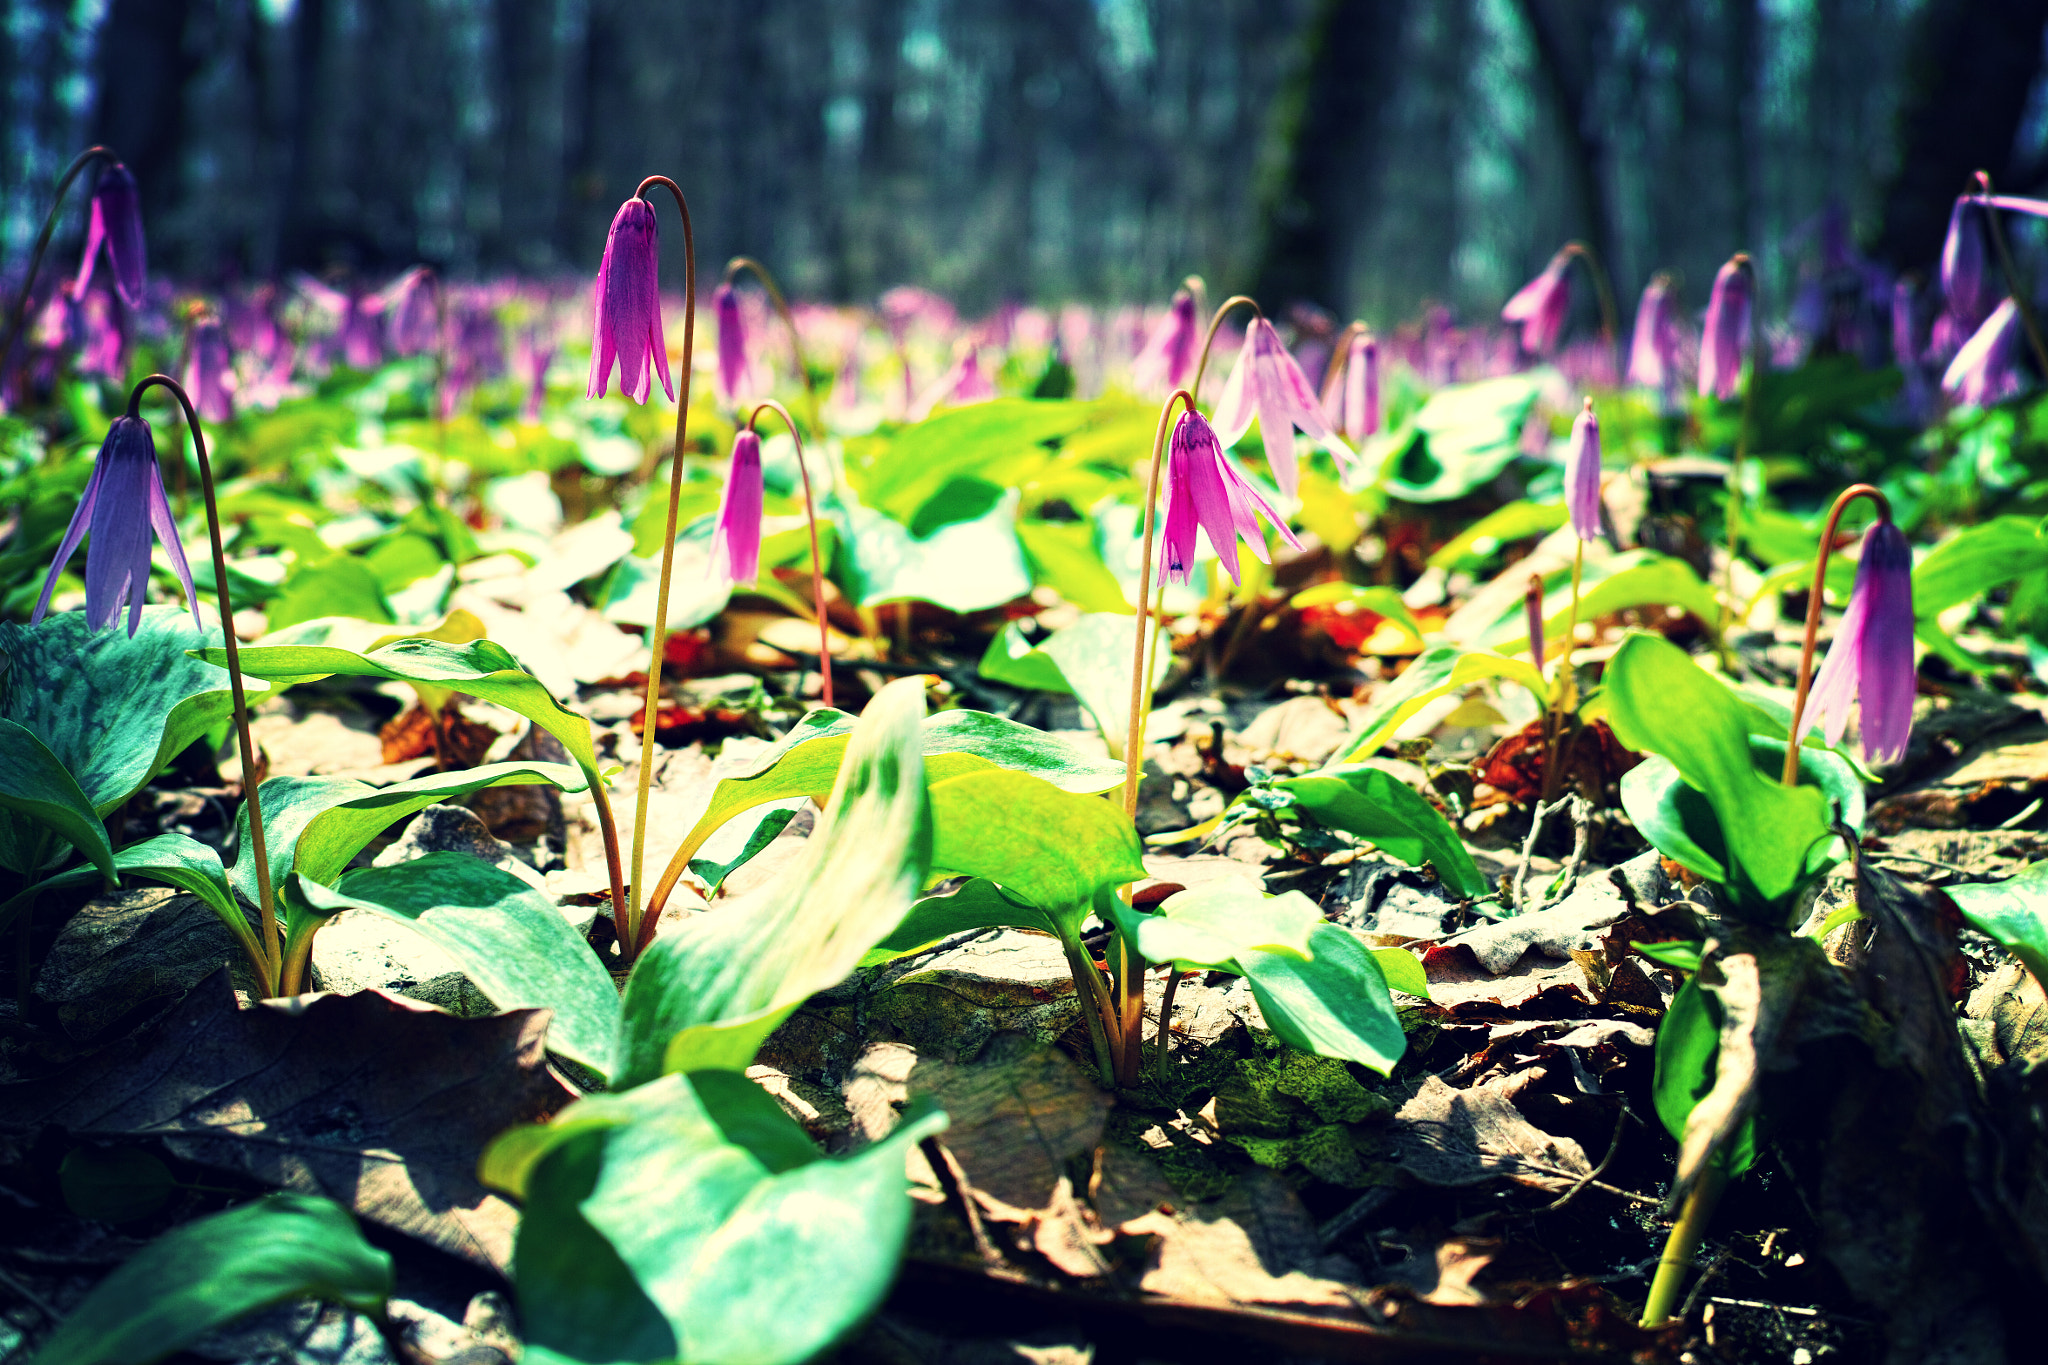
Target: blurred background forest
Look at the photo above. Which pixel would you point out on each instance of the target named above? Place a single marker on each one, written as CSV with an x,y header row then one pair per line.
x,y
1366,155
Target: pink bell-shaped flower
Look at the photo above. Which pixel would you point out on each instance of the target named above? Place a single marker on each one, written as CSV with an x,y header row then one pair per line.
x,y
736,541
628,299
1168,359
1582,474
210,371
1653,348
123,506
1871,660
116,220
1266,383
1206,493
1727,330
735,369
1987,368
1358,399
1541,304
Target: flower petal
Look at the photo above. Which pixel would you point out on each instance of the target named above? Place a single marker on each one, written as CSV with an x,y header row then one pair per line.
x,y
73,533
738,534
166,529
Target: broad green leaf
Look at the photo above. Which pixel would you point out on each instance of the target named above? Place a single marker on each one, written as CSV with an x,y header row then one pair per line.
x,y
507,937
741,1264
1334,1004
2014,912
713,872
1683,954
114,710
1374,804
336,585
170,859
1639,578
964,566
706,994
1464,436
1090,658
979,904
1207,929
1013,660
1437,671
35,785
1403,970
1054,848
1064,558
1478,543
314,825
1379,601
1976,560
805,762
1660,702
216,1269
1688,1044
898,478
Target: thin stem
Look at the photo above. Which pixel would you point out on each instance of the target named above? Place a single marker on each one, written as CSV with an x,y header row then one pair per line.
x,y
1165,1018
817,561
1683,1244
1209,338
1095,1007
266,902
796,345
636,934
1130,998
1790,775
2012,278
1571,629
1603,289
1340,360
1134,743
35,257
1749,382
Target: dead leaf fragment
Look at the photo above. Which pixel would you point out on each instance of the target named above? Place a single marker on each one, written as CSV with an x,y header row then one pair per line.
x,y
1447,1136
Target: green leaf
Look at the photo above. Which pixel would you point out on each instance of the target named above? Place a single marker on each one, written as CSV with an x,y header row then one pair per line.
x,y
169,859
1688,1044
1976,560
216,1269
1334,1004
707,994
1639,578
1207,929
918,461
315,825
1475,546
36,786
1373,804
114,710
1680,953
1064,558
337,585
1054,848
772,823
505,936
1090,658
1013,660
1437,671
1773,838
1403,971
742,1263
2014,912
965,566
1464,435
978,904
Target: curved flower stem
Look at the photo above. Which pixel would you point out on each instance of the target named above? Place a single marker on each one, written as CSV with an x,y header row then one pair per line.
x,y
1209,338
1681,1245
817,561
633,934
1790,775
1749,382
266,901
35,257
1135,741
1339,361
796,345
2012,276
1603,289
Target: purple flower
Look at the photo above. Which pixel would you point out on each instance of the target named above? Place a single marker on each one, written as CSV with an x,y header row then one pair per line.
x,y
105,338
538,351
362,332
210,371
1963,282
629,307
736,555
1266,383
734,369
409,307
1653,350
1987,368
1205,492
1358,401
1541,304
123,503
1727,334
116,220
1582,474
1871,659
1168,359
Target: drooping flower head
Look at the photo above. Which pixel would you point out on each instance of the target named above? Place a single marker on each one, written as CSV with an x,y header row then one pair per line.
x,y
123,506
1168,358
1206,492
734,367
1871,660
411,313
1541,304
103,336
1987,368
1582,474
210,371
1266,383
1653,349
736,553
628,299
1358,401
1727,330
1964,285
116,220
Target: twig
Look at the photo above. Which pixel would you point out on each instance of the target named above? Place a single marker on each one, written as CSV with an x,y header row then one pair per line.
x,y
953,1182
1362,1208
1614,1146
1541,813
1707,1273
32,1298
943,946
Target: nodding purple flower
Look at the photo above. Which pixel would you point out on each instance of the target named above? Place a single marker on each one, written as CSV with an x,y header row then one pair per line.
x,y
1727,331
629,307
538,351
210,371
412,317
1987,368
1205,492
1167,361
1653,350
1541,304
734,368
736,552
123,504
116,220
362,332
1582,474
1871,659
1358,401
1964,284
1266,383
104,336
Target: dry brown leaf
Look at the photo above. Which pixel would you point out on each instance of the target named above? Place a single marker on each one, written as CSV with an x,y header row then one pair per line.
x,y
1019,1115
1447,1136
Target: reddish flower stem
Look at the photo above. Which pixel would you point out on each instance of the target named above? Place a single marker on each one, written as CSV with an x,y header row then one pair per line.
x,y
796,345
1790,775
1209,338
817,560
1134,743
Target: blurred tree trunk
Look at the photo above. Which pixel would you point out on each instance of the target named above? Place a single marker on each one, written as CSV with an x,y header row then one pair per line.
x,y
1565,35
1969,70
143,70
